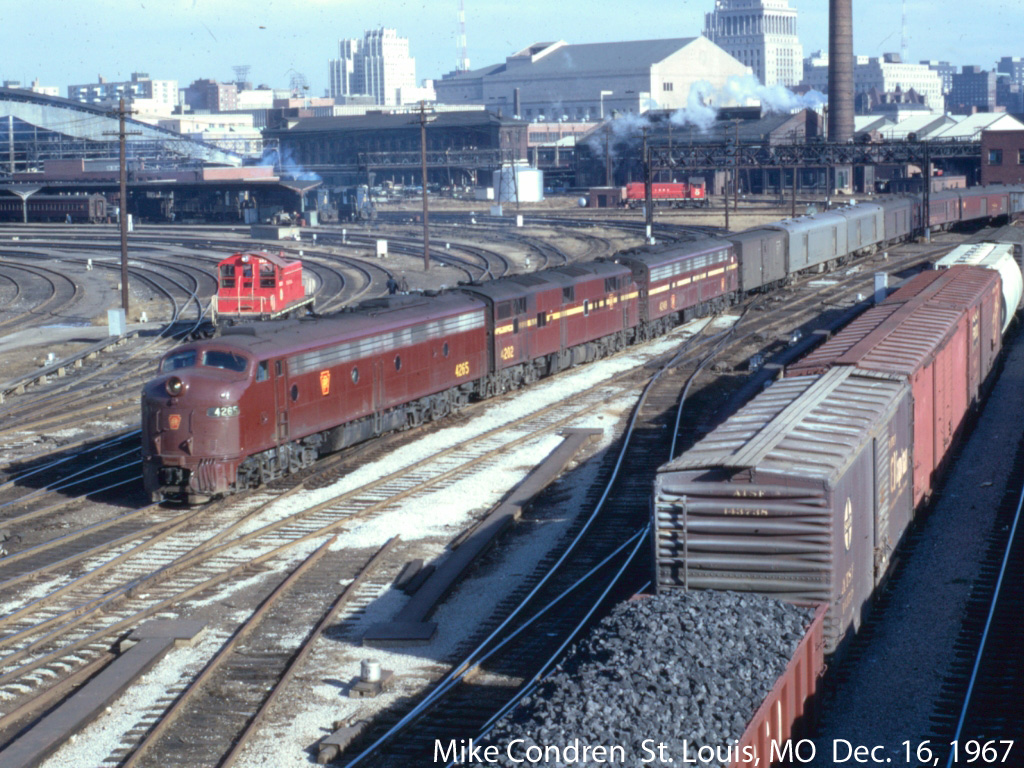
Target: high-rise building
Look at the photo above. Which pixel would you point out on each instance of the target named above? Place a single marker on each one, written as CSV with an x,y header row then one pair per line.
x,y
974,90
377,65
945,71
761,34
163,94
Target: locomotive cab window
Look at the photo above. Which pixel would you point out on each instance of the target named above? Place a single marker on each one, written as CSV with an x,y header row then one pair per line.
x,y
263,370
586,307
515,325
267,279
229,361
178,360
569,293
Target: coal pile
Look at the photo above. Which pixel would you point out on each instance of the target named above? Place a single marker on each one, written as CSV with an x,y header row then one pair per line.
x,y
691,666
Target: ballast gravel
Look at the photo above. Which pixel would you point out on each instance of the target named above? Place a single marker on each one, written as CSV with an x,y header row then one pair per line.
x,y
681,666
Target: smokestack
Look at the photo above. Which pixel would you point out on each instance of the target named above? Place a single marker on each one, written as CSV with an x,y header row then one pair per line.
x,y
840,70
516,113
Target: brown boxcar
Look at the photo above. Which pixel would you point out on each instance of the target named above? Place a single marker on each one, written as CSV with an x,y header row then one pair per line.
x,y
983,203
939,333
801,495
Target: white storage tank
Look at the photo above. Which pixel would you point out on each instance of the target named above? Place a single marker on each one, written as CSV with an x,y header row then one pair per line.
x,y
997,256
529,180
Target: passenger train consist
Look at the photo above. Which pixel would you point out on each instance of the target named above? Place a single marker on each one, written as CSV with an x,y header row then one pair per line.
x,y
232,412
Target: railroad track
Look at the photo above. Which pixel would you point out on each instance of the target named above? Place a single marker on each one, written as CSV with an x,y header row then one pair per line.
x,y
979,720
592,568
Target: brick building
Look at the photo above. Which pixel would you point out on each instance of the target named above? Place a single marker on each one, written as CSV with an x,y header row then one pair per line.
x,y
1002,157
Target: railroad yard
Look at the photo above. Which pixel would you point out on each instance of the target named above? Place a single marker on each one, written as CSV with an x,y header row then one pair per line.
x,y
410,589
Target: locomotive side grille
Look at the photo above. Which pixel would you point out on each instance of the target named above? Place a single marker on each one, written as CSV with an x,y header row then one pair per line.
x,y
383,342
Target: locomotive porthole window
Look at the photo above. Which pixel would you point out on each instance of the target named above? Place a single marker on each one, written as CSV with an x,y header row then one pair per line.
x,y
355,375
444,349
295,392
398,362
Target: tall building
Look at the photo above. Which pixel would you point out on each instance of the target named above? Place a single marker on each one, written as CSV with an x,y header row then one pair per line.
x,y
377,65
945,71
211,96
884,74
974,90
162,94
761,34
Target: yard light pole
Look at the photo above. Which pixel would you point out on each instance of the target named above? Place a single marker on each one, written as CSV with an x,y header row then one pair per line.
x,y
424,119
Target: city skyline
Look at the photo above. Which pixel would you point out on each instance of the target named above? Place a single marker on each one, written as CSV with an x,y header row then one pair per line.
x,y
280,40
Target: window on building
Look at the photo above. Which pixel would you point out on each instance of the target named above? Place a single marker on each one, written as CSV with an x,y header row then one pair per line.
x,y
995,157
666,86
1020,157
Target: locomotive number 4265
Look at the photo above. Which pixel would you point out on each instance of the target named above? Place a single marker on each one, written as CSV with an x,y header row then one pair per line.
x,y
462,369
222,411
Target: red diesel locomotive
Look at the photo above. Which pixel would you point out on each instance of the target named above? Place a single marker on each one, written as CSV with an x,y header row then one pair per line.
x,y
258,285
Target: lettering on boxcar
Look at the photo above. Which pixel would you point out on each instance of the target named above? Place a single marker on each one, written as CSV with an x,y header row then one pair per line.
x,y
899,466
848,524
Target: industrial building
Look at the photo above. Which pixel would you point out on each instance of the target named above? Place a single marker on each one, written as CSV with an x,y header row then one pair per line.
x,y
557,81
762,34
1002,157
345,150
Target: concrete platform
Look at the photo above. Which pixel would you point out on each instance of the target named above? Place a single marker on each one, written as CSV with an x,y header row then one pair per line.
x,y
154,638
409,627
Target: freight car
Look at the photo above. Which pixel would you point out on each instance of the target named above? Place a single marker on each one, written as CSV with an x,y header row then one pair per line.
x,y
208,428
90,209
806,492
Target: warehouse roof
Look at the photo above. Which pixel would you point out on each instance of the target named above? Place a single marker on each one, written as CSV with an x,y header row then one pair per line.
x,y
390,121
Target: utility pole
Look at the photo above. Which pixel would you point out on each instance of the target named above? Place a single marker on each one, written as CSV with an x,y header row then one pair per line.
x,y
607,156
122,134
648,196
736,169
423,168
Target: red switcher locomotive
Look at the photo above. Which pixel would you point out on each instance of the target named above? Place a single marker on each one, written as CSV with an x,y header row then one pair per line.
x,y
259,286
265,399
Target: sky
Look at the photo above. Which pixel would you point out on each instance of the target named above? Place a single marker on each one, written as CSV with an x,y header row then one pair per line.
x,y
63,42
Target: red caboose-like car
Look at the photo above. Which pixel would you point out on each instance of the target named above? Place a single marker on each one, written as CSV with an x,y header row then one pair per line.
x,y
259,285
679,194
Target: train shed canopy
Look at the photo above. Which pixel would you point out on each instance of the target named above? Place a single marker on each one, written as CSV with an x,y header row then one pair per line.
x,y
35,127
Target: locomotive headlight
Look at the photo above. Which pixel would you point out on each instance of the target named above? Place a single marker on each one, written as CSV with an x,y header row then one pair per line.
x,y
174,386
224,395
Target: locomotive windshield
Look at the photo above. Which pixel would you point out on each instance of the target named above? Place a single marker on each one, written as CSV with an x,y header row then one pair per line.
x,y
229,361
178,360
212,358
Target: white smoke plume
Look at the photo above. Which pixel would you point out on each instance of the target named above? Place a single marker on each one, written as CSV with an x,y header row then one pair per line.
x,y
702,103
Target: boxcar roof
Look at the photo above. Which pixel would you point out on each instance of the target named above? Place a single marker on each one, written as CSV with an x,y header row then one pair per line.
x,y
895,338
287,337
655,256
757,234
811,426
803,224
